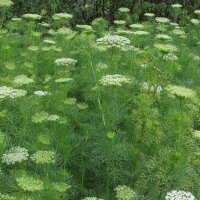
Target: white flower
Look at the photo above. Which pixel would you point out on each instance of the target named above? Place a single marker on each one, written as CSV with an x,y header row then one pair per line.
x,y
120,22
162,20
22,80
53,118
125,193
149,15
197,12
47,41
115,79
141,33
43,157
15,154
32,16
66,62
145,86
195,21
124,10
179,195
30,184
111,41
6,3
41,93
136,26
58,16
177,5
63,80
163,36
170,57
92,198
10,92
178,32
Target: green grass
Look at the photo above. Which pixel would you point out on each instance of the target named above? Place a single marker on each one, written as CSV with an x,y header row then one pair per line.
x,y
124,137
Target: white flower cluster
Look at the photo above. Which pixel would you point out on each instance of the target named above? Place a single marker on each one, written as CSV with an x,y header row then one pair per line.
x,y
30,184
177,5
163,20
125,193
32,16
48,41
195,21
11,92
163,36
145,86
92,198
111,41
66,62
141,33
43,116
179,195
41,93
115,79
170,57
61,187
149,15
22,80
43,157
197,12
136,26
58,16
6,3
124,10
14,155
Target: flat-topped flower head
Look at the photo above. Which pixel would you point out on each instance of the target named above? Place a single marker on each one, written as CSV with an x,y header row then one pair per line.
x,y
22,80
150,15
49,41
170,57
61,187
41,93
166,47
44,116
32,16
43,157
33,48
15,155
124,10
179,195
177,5
197,12
113,41
59,16
120,22
178,32
63,80
195,21
196,134
84,27
125,193
66,62
11,92
5,3
115,79
141,33
183,92
92,198
163,37
136,26
163,20
30,184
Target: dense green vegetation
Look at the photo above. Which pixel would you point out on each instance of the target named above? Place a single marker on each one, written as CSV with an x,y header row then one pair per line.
x,y
86,10
99,111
